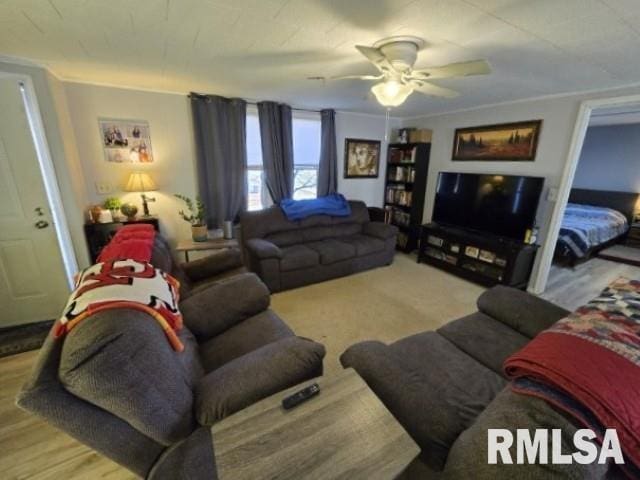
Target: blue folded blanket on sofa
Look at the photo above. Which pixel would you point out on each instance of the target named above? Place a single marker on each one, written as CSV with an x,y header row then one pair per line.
x,y
334,205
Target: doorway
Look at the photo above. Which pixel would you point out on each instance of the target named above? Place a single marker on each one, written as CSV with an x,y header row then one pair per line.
x,y
586,277
37,262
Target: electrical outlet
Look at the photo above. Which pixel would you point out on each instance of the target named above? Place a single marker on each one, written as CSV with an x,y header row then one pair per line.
x,y
103,188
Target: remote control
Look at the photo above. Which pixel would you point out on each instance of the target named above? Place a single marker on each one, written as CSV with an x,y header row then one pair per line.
x,y
301,396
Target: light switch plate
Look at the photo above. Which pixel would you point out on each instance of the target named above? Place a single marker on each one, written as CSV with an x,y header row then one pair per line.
x,y
552,194
103,188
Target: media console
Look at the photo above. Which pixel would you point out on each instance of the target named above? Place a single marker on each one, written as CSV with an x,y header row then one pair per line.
x,y
479,257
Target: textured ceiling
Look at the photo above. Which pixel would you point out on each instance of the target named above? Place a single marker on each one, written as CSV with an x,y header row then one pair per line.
x,y
265,49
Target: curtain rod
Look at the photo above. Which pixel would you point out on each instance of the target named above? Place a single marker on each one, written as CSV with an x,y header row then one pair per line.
x,y
203,95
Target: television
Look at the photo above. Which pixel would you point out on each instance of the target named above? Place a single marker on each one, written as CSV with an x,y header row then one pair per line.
x,y
504,205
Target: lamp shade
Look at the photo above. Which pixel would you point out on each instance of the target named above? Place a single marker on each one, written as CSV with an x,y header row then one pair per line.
x,y
391,93
140,182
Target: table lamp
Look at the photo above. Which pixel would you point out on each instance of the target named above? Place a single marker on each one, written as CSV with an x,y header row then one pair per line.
x,y
141,182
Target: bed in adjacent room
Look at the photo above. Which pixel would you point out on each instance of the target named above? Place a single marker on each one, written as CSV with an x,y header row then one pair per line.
x,y
593,220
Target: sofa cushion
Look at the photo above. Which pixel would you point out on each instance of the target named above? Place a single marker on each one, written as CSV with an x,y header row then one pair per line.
x,y
487,340
520,310
468,455
297,257
246,336
314,234
121,361
285,239
364,244
332,251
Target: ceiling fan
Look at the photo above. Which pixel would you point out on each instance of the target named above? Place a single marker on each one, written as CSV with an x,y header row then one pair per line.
x,y
395,56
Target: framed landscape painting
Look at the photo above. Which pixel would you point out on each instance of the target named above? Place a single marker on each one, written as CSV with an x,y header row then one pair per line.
x,y
508,142
361,158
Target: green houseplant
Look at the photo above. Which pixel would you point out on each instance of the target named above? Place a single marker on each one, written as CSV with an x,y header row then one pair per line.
x,y
113,204
195,215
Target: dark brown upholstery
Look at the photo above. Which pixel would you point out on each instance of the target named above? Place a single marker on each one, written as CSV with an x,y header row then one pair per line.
x,y
288,254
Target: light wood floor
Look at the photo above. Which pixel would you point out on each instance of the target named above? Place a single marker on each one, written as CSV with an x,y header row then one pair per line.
x,y
572,287
402,299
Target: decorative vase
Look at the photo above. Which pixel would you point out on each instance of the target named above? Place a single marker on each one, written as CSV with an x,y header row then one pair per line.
x,y
227,228
199,233
129,210
94,213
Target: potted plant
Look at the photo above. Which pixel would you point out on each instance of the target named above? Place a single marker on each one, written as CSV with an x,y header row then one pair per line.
x,y
195,216
113,204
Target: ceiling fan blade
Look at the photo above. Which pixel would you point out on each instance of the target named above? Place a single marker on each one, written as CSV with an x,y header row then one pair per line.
x,y
358,77
376,57
432,90
462,69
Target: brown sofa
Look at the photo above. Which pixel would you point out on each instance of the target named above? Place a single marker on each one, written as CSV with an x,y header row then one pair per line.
x,y
447,388
288,254
115,383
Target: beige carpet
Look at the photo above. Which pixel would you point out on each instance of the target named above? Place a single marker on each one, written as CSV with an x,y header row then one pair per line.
x,y
384,304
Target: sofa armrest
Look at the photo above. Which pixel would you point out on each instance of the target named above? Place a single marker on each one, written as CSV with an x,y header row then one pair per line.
x,y
191,458
212,265
256,375
522,311
214,309
263,249
380,230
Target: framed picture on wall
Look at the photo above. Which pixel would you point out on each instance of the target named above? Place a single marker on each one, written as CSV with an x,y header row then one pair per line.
x,y
126,141
507,142
361,158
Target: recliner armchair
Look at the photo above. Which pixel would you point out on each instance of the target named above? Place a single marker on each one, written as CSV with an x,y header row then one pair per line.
x,y
115,383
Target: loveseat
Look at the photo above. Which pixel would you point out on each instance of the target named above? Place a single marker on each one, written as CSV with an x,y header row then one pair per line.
x,y
288,254
115,383
447,388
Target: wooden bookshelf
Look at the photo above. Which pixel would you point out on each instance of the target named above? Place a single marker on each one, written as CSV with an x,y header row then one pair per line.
x,y
404,191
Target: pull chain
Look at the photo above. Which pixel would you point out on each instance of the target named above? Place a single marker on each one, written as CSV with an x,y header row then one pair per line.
x,y
386,125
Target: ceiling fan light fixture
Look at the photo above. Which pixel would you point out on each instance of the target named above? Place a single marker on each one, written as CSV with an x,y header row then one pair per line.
x,y
391,93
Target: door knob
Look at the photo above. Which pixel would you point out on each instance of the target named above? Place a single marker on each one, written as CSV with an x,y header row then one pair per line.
x,y
42,224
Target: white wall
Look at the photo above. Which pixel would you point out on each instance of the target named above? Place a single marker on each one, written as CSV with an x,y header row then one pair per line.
x,y
559,115
610,159
370,127
172,142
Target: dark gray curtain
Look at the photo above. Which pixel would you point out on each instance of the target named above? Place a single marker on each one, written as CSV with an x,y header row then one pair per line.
x,y
277,148
221,148
328,167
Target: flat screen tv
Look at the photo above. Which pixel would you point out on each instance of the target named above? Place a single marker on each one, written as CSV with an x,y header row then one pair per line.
x,y
503,205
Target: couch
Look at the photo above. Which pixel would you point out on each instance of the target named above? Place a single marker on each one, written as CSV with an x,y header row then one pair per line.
x,y
288,254
115,383
447,387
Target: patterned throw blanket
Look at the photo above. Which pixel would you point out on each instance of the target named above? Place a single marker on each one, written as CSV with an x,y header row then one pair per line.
x,y
588,365
128,284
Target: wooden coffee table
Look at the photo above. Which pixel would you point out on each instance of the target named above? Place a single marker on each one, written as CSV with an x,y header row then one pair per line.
x,y
343,432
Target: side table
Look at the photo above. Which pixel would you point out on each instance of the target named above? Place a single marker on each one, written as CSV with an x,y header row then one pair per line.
x,y
343,432
187,246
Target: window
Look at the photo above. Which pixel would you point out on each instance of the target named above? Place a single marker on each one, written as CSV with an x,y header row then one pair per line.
x,y
306,156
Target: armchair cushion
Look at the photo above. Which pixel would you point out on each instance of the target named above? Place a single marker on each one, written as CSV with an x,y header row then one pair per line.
x,y
212,265
380,230
263,249
210,311
256,375
525,313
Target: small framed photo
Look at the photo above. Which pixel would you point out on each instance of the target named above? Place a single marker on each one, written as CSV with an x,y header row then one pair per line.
x,y
126,141
361,158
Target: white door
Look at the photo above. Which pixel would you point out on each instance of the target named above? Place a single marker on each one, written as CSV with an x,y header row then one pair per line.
x,y
33,285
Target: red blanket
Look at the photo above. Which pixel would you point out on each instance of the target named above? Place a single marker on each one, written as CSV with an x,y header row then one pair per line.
x,y
131,241
588,365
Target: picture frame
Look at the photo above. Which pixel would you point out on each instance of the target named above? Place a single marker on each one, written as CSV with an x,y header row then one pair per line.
x,y
506,142
126,141
361,158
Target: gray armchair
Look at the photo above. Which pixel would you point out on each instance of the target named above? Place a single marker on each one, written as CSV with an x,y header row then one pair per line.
x,y
115,383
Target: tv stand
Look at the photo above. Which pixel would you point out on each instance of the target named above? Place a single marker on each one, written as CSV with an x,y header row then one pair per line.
x,y
479,257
